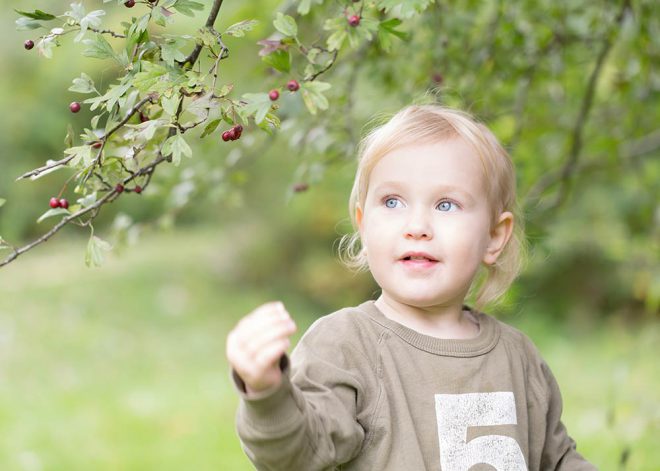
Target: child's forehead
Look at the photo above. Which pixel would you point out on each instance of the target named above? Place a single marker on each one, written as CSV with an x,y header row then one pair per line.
x,y
441,157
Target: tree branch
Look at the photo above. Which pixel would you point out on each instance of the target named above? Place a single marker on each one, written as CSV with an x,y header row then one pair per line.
x,y
567,171
107,198
210,21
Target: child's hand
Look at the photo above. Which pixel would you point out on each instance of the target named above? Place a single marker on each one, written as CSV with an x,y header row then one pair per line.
x,y
256,344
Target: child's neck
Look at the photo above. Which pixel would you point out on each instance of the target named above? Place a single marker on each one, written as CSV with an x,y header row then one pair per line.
x,y
446,322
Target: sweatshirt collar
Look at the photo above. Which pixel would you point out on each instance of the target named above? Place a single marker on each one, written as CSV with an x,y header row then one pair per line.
x,y
484,342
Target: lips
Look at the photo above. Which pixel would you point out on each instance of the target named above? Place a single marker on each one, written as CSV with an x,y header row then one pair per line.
x,y
418,257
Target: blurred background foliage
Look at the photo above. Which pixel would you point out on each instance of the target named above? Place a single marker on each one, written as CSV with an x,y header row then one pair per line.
x,y
123,367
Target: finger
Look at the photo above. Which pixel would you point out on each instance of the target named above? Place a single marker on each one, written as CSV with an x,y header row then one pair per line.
x,y
266,322
268,334
270,355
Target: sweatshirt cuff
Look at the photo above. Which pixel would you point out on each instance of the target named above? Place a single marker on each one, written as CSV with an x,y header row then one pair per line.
x,y
272,409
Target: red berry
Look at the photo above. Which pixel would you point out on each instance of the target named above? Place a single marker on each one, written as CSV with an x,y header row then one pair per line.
x,y
225,136
54,203
129,3
74,107
137,189
119,188
273,95
233,134
64,203
437,78
29,44
354,21
143,117
239,128
97,144
293,85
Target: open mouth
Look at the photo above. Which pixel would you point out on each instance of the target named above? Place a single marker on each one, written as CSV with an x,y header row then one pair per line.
x,y
418,257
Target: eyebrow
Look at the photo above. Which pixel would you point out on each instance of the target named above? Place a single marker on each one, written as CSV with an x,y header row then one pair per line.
x,y
441,188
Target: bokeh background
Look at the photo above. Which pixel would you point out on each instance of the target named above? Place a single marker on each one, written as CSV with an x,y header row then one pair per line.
x,y
123,366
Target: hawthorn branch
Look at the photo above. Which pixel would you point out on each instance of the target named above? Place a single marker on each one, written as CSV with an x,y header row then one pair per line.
x,y
210,22
93,209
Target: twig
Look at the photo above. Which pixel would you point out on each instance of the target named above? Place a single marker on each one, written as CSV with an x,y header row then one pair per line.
x,y
40,170
107,31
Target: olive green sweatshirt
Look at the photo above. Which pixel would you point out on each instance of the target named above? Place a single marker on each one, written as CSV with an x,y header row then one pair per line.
x,y
362,392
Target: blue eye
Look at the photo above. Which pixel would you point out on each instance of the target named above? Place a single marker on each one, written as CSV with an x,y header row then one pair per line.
x,y
391,202
445,206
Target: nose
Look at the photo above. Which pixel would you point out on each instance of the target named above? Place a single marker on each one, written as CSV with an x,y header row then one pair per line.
x,y
418,225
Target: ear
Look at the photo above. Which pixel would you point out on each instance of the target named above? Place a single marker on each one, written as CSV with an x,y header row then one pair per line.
x,y
499,236
358,216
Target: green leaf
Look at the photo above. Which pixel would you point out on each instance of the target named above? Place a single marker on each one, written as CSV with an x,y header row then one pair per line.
x,y
336,39
46,45
150,75
98,48
36,15
258,104
239,29
171,104
279,60
406,9
313,97
96,248
82,84
187,7
52,212
212,126
91,19
2,202
304,6
176,145
161,16
23,24
285,24
202,105
145,131
70,133
169,50
80,154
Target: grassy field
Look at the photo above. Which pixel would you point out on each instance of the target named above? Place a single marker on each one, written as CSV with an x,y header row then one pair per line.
x,y
123,367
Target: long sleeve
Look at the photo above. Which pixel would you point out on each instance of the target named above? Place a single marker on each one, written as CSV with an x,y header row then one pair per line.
x,y
310,421
559,452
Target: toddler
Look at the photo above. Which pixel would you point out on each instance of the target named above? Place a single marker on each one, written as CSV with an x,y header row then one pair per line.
x,y
415,380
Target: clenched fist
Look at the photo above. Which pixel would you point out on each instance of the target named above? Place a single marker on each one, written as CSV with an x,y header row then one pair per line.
x,y
256,344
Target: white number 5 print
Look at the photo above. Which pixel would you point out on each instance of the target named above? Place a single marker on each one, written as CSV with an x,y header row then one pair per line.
x,y
457,412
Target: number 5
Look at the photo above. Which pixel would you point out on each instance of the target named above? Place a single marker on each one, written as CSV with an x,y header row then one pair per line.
x,y
457,412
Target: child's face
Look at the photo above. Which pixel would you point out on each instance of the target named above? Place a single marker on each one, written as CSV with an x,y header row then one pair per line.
x,y
430,199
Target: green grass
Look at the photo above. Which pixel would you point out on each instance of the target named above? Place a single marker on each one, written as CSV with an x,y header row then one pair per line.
x,y
123,367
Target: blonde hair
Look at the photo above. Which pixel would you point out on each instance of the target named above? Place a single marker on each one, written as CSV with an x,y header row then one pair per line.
x,y
428,124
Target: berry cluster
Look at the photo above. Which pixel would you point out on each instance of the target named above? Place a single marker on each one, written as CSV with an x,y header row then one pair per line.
x,y
59,203
233,133
119,188
292,85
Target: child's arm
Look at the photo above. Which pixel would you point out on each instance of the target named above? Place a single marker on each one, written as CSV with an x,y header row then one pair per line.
x,y
282,428
559,452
